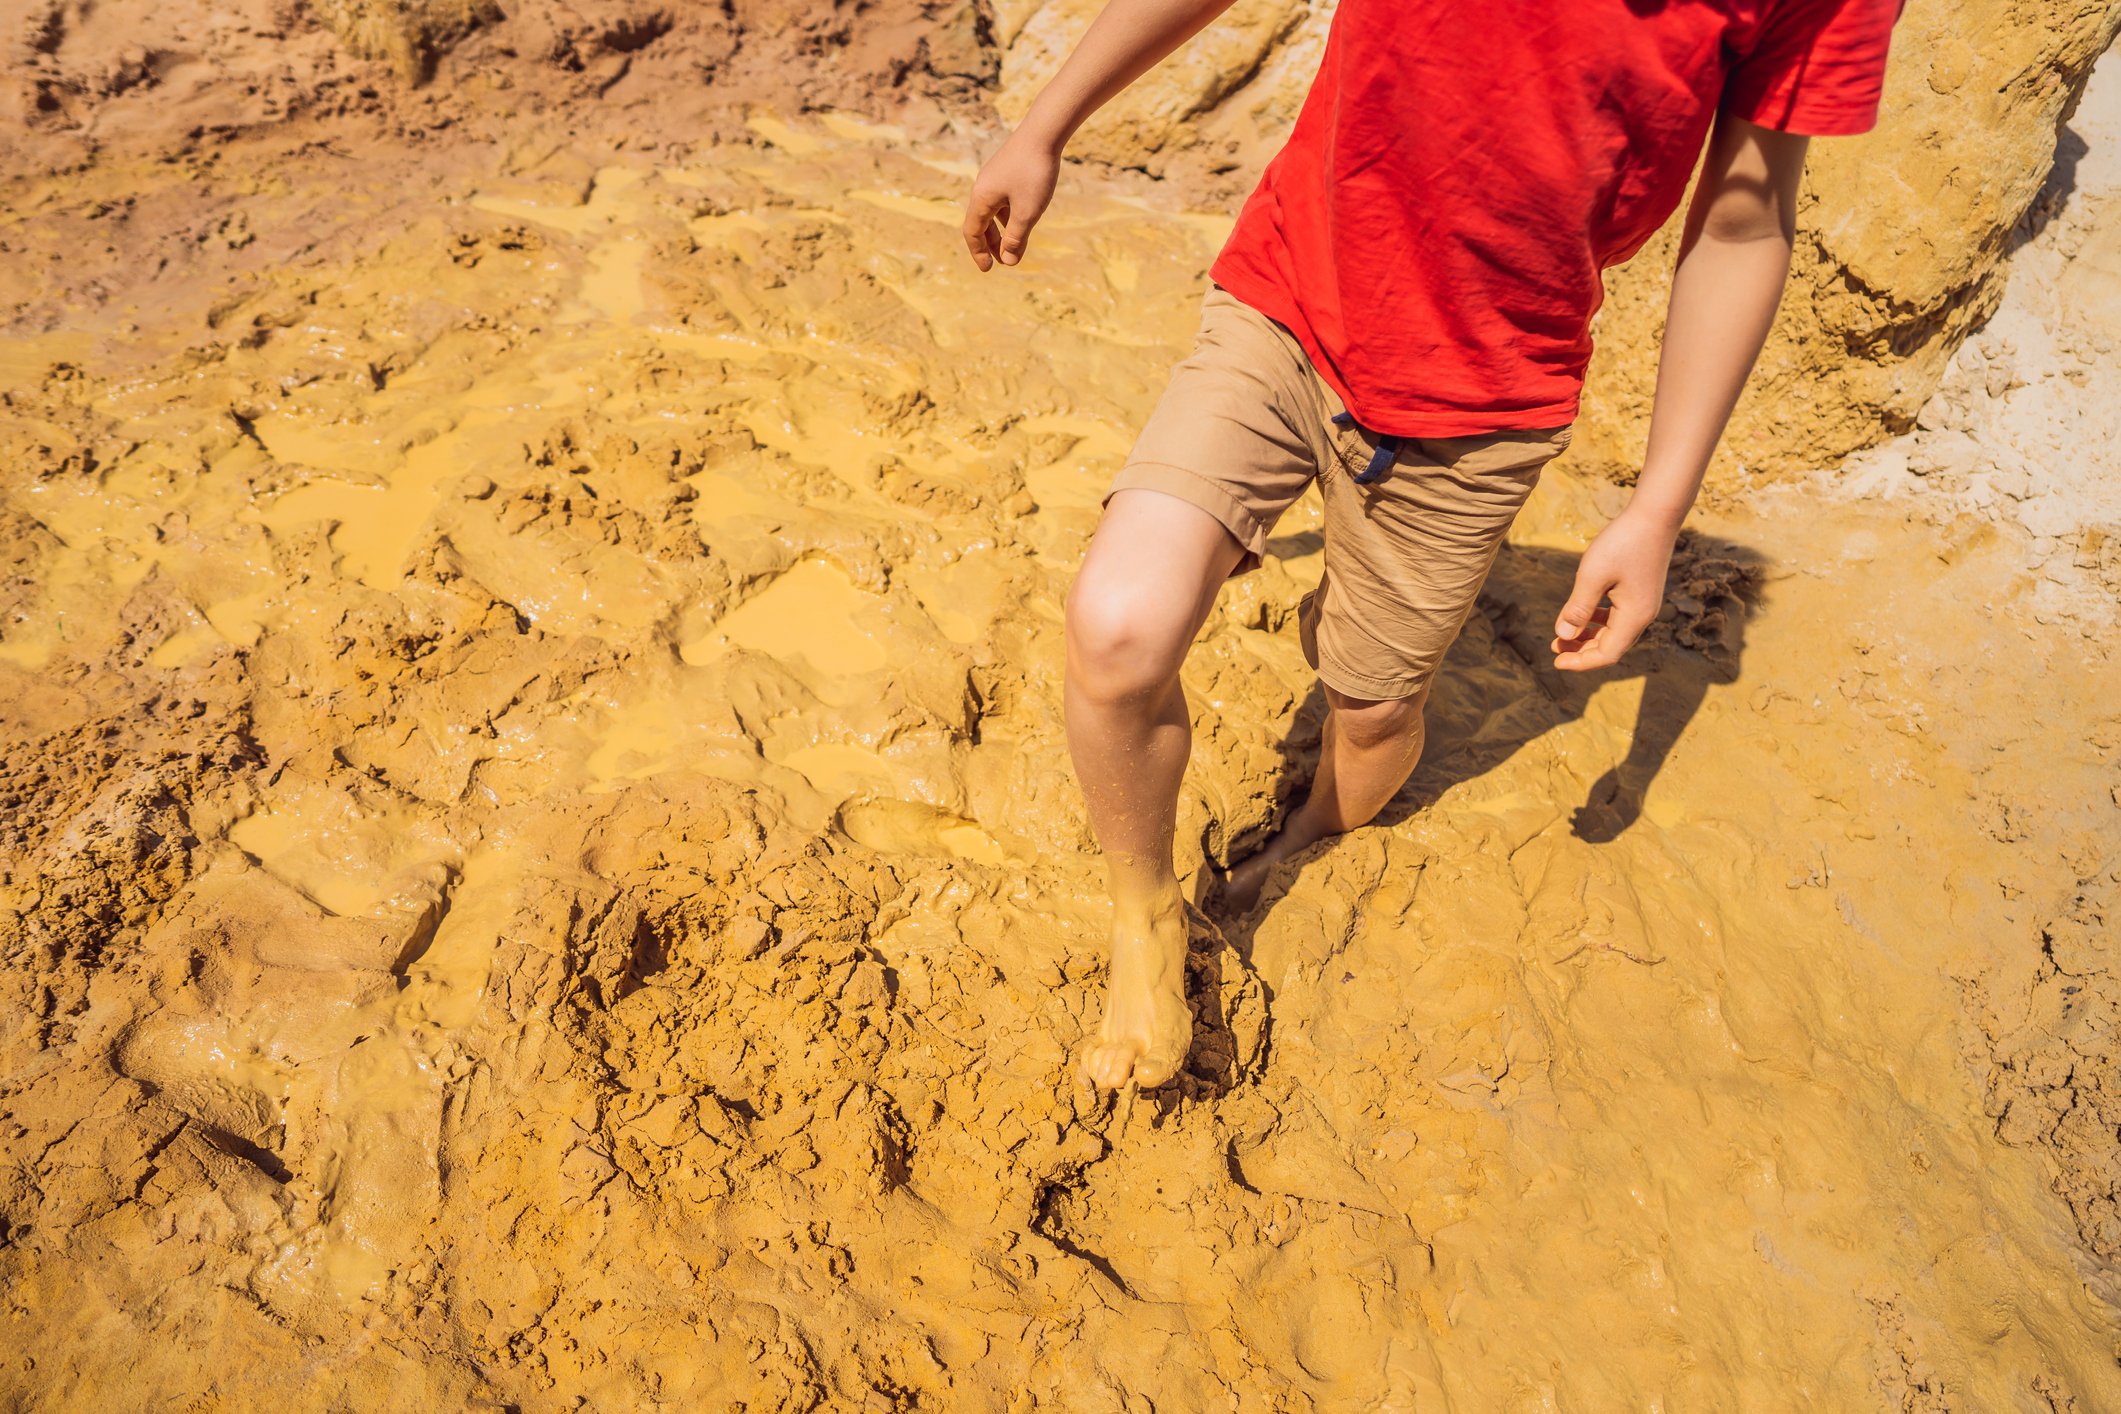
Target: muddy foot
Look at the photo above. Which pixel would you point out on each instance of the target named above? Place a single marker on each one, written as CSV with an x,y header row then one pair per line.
x,y
1241,887
1148,1026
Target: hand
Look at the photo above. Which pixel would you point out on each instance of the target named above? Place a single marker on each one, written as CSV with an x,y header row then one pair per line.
x,y
1626,563
1011,193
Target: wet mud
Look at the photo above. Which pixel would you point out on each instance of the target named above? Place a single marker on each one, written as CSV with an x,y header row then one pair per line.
x,y
540,867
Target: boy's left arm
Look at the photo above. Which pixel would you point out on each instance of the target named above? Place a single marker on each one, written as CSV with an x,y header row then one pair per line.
x,y
1734,259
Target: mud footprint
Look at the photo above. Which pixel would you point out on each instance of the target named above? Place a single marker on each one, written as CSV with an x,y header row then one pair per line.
x,y
812,613
280,1059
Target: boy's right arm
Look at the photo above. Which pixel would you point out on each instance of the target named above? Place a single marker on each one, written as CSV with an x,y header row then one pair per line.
x,y
1128,38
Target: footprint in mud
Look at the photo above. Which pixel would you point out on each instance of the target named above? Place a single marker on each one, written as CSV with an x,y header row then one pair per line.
x,y
348,855
812,613
967,597
280,1059
883,756
608,214
378,493
836,768
903,827
233,1102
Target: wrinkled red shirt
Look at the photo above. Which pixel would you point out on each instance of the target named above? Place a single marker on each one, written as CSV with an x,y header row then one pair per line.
x,y
1463,171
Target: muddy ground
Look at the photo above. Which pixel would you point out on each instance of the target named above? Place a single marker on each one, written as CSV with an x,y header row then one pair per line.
x,y
537,866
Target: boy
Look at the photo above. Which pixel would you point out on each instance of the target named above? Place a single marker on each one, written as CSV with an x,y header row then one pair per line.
x,y
1402,312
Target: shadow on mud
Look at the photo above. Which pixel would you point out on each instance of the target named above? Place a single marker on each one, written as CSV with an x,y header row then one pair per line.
x,y
1498,691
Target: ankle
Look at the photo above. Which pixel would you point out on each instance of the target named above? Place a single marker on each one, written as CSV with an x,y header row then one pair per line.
x,y
1304,827
1145,874
1139,903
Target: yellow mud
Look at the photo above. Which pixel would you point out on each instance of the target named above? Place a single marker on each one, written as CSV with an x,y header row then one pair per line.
x,y
574,891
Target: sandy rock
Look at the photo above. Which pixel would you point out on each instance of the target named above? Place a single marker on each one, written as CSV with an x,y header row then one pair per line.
x,y
1212,114
411,34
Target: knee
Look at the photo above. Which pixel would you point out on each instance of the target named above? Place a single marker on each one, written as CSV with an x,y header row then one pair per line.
x,y
1368,723
1122,644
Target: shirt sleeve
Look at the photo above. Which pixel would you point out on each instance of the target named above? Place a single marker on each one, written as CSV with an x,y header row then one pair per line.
x,y
1815,67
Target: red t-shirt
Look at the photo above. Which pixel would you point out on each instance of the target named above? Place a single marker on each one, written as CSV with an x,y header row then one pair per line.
x,y
1463,171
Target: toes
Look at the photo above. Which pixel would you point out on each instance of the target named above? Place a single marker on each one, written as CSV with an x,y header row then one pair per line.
x,y
1157,1066
1108,1064
1152,1071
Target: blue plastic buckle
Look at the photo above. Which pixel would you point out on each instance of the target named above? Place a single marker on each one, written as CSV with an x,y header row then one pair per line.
x,y
1380,460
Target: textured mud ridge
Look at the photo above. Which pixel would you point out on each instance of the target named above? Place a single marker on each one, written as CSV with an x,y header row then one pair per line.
x,y
536,863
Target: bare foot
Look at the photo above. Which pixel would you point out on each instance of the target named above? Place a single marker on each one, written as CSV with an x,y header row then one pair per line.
x,y
1241,886
1148,1026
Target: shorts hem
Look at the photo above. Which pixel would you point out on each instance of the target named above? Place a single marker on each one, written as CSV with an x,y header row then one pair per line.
x,y
1374,689
1197,490
1354,684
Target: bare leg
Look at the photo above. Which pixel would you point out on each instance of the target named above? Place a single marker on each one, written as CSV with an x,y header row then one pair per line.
x,y
1145,588
1368,751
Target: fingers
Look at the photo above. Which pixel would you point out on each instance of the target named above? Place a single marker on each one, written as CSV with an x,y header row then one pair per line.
x,y
998,221
1015,237
1626,562
1595,623
1573,651
1582,609
1018,219
981,212
1581,622
1611,634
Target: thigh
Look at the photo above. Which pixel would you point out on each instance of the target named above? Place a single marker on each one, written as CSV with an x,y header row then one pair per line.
x,y
1406,555
1153,569
1240,429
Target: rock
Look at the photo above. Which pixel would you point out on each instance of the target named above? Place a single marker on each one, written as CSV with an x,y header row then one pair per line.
x,y
411,34
1211,115
2050,516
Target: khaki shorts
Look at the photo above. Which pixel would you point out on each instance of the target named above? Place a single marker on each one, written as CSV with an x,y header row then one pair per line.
x,y
1245,425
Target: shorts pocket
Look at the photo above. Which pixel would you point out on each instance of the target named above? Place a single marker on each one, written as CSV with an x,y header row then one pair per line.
x,y
1351,449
